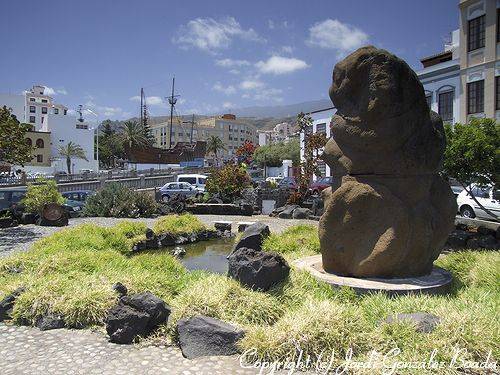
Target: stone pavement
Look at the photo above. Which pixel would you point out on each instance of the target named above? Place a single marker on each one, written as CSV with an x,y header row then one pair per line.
x,y
27,350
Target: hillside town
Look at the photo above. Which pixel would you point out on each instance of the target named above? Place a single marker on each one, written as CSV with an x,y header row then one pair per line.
x,y
292,191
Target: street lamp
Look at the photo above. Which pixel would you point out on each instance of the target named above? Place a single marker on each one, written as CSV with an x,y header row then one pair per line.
x,y
97,136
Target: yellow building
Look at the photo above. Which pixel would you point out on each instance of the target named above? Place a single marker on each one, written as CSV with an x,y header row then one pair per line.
x,y
41,143
232,131
479,59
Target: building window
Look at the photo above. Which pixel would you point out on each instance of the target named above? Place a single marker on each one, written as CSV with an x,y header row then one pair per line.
x,y
498,25
428,99
32,109
65,112
497,92
32,99
445,105
475,97
56,111
39,158
39,143
44,101
44,110
29,142
321,128
32,119
475,37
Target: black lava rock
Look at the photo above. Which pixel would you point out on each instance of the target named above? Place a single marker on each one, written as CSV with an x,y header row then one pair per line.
x,y
258,270
253,236
204,336
7,304
50,321
124,323
147,302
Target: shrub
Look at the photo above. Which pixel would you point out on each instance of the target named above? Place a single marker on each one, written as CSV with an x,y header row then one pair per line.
x,y
41,193
175,224
228,181
116,200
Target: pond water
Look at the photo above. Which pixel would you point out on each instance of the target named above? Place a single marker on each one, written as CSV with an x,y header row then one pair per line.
x,y
208,255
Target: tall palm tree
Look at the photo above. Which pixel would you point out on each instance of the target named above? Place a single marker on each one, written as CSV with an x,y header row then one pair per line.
x,y
214,145
133,134
72,150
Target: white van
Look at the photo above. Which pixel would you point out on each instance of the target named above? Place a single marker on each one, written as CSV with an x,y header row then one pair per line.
x,y
488,196
197,180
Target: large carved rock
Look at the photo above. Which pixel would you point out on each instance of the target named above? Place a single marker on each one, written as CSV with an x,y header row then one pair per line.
x,y
392,213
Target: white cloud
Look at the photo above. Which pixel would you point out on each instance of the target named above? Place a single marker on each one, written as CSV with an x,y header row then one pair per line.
x,y
62,91
281,65
210,35
228,90
227,105
234,71
268,94
106,111
49,91
230,63
287,49
333,34
270,24
150,100
251,84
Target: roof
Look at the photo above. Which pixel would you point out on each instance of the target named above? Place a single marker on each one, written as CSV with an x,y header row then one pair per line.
x,y
437,58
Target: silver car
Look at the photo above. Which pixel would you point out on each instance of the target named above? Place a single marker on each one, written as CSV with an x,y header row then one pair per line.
x,y
172,189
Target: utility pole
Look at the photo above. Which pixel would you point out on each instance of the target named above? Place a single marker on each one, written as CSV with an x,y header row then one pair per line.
x,y
172,99
192,126
142,104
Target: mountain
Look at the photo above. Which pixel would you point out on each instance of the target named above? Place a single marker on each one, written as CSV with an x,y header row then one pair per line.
x,y
280,111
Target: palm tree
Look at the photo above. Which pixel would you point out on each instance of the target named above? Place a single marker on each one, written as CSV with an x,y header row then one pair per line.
x,y
72,150
133,134
214,145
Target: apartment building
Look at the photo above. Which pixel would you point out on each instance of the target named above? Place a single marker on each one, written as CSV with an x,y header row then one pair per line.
x,y
479,59
232,131
53,127
280,133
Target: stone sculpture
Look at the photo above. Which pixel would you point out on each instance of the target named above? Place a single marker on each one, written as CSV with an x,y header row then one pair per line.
x,y
392,212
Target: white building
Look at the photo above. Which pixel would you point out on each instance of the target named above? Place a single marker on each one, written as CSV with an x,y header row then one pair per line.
x,y
280,133
35,108
441,80
321,124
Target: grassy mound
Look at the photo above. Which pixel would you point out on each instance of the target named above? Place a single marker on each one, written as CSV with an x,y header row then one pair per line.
x,y
72,271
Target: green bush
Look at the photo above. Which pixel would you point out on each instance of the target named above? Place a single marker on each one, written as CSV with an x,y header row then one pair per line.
x,y
40,193
115,200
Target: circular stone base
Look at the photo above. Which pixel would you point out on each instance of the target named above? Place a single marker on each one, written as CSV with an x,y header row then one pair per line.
x,y
437,282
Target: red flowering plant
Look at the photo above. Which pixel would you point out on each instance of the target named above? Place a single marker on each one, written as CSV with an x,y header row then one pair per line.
x,y
227,182
245,152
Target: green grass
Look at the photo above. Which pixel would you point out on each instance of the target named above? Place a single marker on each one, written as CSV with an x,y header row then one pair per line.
x,y
185,223
72,271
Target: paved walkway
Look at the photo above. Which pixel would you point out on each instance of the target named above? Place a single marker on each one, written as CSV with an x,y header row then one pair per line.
x,y
27,350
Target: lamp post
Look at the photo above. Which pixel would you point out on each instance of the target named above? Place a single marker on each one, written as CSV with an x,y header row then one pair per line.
x,y
97,136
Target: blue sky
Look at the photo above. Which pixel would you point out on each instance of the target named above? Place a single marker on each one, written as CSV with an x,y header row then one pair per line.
x,y
224,54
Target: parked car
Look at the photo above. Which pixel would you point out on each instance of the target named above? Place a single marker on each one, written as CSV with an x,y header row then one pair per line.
x,y
171,189
11,197
77,195
275,180
197,180
488,196
288,183
320,184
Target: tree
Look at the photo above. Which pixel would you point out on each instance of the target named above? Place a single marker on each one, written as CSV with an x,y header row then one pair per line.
x,y
13,146
133,134
214,145
42,193
228,182
274,154
110,144
70,151
472,154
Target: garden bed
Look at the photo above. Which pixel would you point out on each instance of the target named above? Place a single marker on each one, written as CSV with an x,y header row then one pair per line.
x,y
71,274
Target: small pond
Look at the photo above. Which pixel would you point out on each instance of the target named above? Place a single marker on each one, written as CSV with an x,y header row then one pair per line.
x,y
208,255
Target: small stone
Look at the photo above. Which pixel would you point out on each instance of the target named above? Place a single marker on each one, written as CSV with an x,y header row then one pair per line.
x,y
223,225
50,321
120,289
7,304
424,322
